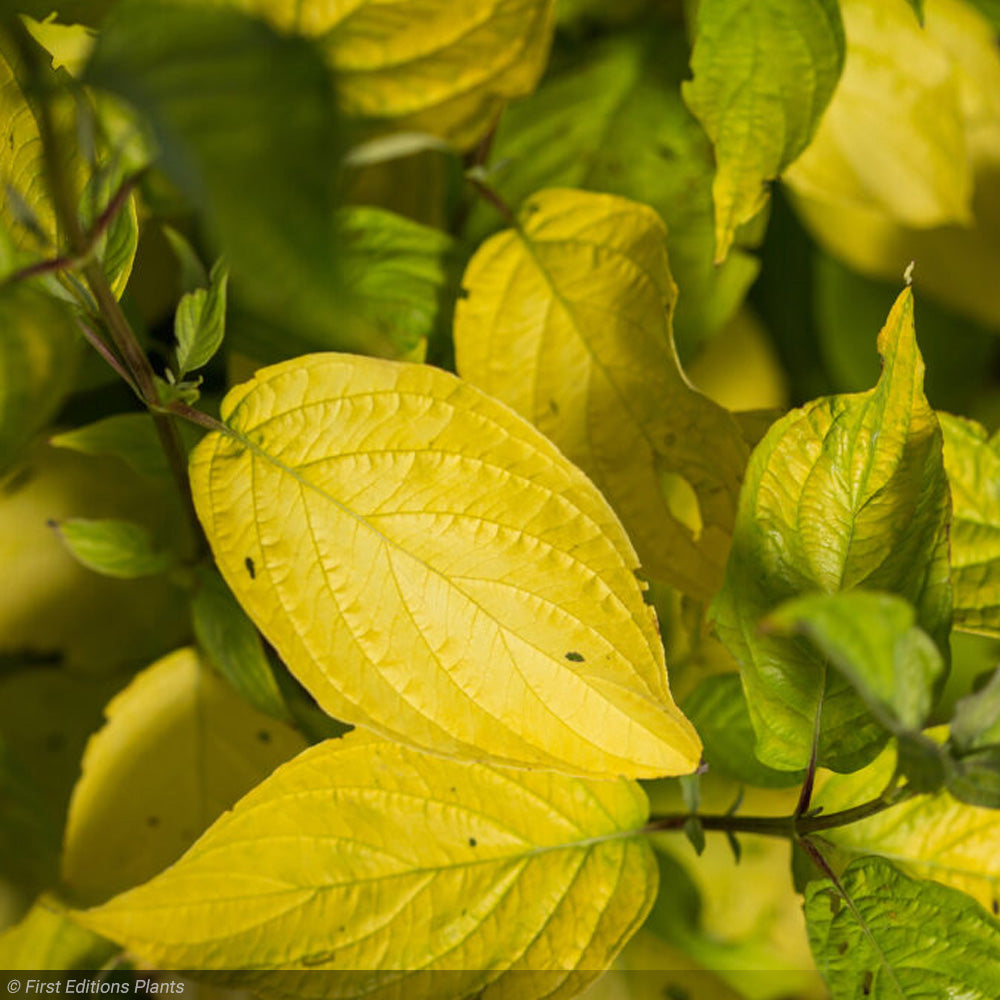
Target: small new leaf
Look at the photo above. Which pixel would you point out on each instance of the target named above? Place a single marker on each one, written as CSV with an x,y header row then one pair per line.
x,y
885,936
200,322
401,862
430,566
113,547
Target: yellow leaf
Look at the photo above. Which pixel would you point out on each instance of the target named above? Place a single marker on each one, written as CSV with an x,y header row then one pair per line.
x,y
179,747
48,939
931,836
431,567
425,65
972,461
363,855
567,320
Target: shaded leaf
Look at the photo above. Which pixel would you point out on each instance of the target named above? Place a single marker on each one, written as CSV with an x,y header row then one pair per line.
x,y
764,73
976,780
976,722
113,547
612,119
48,939
567,320
403,862
231,642
890,936
400,532
972,461
846,492
872,640
128,436
178,748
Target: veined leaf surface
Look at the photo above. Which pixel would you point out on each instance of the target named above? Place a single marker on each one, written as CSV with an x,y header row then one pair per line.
x,y
363,855
764,71
886,936
846,492
431,567
931,836
425,65
567,320
972,461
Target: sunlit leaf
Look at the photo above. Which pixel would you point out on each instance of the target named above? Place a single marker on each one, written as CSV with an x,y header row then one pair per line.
x,y
178,748
764,71
425,65
612,119
402,862
846,492
200,322
972,461
113,547
39,355
430,566
931,836
871,639
890,937
567,320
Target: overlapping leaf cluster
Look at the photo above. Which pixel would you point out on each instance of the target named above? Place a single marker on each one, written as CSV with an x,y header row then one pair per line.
x,y
378,598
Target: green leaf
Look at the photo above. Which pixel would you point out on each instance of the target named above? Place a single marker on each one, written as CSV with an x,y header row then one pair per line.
x,y
889,937
764,72
193,274
179,747
392,530
990,9
216,88
976,722
592,364
612,119
930,836
113,547
872,639
918,9
117,245
846,492
231,642
200,322
128,436
976,780
48,939
39,354
402,862
718,710
972,461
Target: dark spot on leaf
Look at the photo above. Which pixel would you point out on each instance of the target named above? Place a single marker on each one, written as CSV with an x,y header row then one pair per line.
x,y
264,736
835,904
666,152
472,842
866,984
463,292
574,657
55,742
554,407
153,821
248,562
996,908
675,992
842,948
452,789
52,523
341,928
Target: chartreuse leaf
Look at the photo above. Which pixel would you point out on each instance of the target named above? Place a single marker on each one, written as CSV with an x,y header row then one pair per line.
x,y
612,119
231,642
972,461
930,836
39,353
846,492
884,935
430,566
200,322
179,747
894,137
592,364
48,939
427,66
764,72
404,864
214,87
872,640
114,547
976,722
